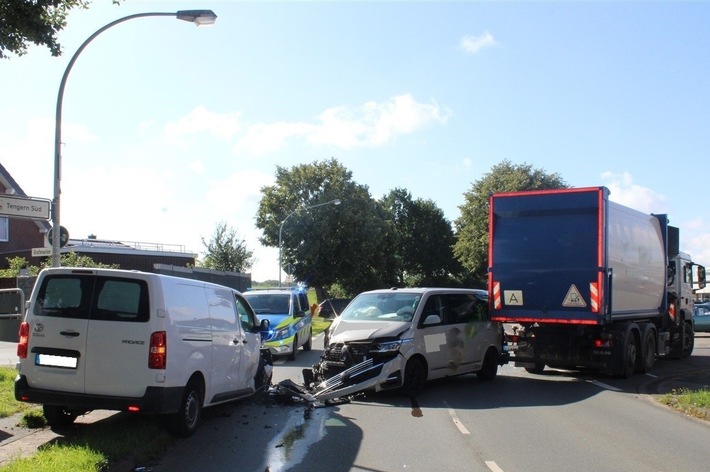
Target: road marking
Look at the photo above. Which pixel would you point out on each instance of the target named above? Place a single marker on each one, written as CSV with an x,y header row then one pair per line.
x,y
493,466
651,375
456,419
605,386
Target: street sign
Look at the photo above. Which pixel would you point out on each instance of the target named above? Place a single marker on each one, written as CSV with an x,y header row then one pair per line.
x,y
289,269
41,251
24,207
63,236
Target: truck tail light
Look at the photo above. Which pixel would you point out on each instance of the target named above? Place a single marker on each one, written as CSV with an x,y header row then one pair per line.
x,y
157,356
24,336
671,311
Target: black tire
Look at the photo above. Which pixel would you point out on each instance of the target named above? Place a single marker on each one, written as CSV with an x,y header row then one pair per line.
x,y
415,375
58,416
262,380
538,368
689,336
188,417
648,349
309,344
489,369
292,356
629,355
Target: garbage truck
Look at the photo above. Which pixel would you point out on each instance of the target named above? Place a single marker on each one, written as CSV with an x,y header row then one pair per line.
x,y
581,282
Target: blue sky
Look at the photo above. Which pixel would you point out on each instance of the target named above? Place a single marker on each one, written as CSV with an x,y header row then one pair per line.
x,y
169,129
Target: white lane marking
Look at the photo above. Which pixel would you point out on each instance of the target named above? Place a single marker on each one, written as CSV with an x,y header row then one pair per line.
x,y
605,386
493,466
651,375
456,419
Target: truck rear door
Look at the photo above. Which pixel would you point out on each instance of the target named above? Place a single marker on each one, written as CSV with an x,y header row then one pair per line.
x,y
545,256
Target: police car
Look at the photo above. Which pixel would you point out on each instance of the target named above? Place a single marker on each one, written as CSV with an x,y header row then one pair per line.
x,y
290,319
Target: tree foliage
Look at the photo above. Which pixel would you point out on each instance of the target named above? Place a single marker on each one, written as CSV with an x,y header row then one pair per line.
x,y
347,243
34,21
424,240
226,252
69,259
471,247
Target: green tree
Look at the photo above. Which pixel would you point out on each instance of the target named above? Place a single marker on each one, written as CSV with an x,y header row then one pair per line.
x,y
424,241
34,21
346,244
226,252
72,259
471,247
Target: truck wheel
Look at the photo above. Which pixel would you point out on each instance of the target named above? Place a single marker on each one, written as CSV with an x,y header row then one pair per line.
x,y
629,355
188,417
58,416
648,349
489,369
292,356
689,341
414,377
538,368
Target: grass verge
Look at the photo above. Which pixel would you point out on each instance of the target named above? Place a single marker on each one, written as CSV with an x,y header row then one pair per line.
x,y
694,403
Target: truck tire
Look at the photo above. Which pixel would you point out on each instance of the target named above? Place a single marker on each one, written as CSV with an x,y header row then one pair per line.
x,y
648,349
538,368
689,337
309,344
58,416
629,355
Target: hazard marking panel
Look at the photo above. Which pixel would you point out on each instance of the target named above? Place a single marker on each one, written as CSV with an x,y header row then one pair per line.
x,y
513,297
573,298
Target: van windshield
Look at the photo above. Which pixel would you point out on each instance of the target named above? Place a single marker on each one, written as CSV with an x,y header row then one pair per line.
x,y
382,307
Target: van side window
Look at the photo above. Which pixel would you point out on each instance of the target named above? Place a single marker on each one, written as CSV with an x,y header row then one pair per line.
x,y
222,309
246,315
466,308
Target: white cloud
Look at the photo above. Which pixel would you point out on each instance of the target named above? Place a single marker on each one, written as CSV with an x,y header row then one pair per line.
x,y
474,44
200,119
625,192
372,124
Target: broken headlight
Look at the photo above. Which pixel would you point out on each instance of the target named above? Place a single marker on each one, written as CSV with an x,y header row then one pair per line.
x,y
388,346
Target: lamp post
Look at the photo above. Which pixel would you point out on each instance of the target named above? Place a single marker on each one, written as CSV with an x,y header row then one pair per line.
x,y
331,202
199,17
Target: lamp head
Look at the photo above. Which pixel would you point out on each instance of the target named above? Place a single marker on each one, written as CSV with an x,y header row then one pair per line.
x,y
199,17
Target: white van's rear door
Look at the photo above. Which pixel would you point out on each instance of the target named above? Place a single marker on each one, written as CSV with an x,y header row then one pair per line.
x,y
58,321
116,359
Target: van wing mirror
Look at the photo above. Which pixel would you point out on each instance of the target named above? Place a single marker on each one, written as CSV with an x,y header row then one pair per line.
x,y
264,325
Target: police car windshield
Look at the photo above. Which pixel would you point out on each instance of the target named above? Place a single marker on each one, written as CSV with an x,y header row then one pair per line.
x,y
269,304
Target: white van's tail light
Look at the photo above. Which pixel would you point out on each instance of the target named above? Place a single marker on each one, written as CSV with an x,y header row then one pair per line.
x,y
24,340
158,350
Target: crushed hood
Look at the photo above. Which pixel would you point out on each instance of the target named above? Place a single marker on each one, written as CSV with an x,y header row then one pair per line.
x,y
347,330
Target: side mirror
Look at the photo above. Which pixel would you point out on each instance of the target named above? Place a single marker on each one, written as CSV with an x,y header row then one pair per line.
x,y
702,280
264,325
432,320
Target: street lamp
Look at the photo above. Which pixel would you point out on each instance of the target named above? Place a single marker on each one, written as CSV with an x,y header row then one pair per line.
x,y
199,17
331,202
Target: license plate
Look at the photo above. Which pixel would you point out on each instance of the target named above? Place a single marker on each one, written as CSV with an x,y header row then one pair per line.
x,y
52,360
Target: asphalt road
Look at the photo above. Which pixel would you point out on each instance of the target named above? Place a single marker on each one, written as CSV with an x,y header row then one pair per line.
x,y
520,422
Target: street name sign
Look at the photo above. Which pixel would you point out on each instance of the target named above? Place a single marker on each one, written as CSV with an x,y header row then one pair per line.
x,y
24,207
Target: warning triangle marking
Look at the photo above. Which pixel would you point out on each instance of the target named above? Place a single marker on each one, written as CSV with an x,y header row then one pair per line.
x,y
573,298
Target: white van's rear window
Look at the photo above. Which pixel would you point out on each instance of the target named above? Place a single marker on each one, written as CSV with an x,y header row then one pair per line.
x,y
90,297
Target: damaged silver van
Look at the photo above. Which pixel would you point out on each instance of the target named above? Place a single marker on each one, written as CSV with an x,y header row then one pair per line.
x,y
400,338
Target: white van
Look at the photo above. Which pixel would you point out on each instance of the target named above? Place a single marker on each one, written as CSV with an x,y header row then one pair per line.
x,y
399,338
133,341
